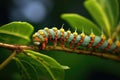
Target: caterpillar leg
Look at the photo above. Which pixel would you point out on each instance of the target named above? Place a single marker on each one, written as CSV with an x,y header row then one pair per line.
x,y
43,45
90,44
62,41
63,44
55,42
71,44
116,50
92,39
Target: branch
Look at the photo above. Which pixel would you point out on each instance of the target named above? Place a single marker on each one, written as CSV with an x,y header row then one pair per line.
x,y
21,47
103,55
17,47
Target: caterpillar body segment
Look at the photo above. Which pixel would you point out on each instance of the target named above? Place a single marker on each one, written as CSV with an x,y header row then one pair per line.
x,y
86,41
43,36
96,40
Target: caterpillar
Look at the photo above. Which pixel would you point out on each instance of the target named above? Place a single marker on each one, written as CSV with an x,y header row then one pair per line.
x,y
92,42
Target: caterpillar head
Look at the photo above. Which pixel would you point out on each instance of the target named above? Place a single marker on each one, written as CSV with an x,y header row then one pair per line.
x,y
37,38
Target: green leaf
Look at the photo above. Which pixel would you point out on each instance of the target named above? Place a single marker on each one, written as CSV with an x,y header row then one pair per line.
x,y
111,8
80,22
46,64
27,70
16,33
98,13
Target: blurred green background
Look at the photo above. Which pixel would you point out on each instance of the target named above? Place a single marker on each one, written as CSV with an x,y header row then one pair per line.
x,y
41,13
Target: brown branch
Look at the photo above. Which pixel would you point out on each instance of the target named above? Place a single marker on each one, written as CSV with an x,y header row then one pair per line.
x,y
17,47
103,55
21,47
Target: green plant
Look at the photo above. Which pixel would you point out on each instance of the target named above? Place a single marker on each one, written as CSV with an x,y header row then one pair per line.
x,y
106,15
33,65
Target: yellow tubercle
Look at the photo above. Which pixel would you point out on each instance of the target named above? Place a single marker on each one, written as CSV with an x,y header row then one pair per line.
x,y
46,28
117,43
54,28
92,35
68,31
75,33
62,30
41,32
110,41
34,35
103,37
82,34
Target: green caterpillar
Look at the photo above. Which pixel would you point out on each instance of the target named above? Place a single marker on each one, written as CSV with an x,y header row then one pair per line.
x,y
75,40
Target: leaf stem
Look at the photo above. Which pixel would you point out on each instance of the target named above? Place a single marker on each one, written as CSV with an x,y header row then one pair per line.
x,y
7,61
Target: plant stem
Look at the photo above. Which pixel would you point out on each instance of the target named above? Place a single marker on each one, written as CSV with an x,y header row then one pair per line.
x,y
3,64
85,52
103,55
17,47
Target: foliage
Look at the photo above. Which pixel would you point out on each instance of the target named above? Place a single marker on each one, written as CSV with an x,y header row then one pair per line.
x,y
37,66
15,33
104,12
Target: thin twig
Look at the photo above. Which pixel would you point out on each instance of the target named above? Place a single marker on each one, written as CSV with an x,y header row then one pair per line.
x,y
17,47
7,61
104,55
21,47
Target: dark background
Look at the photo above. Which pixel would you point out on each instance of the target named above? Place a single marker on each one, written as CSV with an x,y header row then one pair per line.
x,y
41,13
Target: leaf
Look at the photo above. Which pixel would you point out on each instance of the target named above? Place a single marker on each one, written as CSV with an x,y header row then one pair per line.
x,y
111,8
28,72
46,64
41,73
99,15
16,33
80,22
